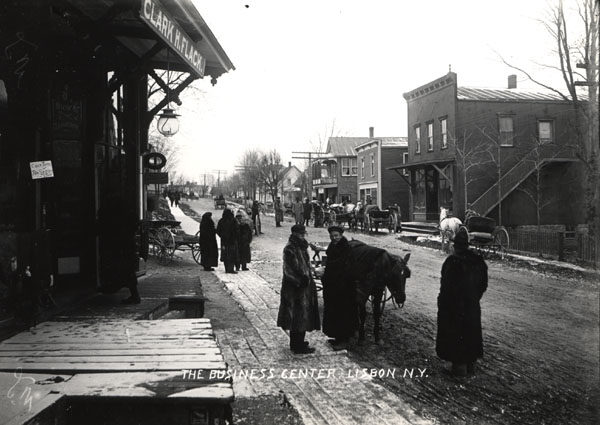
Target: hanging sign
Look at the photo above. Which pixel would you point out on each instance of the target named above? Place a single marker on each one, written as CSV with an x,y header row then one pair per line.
x,y
41,169
156,178
154,160
157,18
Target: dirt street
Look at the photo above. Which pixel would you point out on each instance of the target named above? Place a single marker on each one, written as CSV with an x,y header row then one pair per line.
x,y
541,338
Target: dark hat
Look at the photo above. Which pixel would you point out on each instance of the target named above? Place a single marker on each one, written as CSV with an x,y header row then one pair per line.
x,y
335,229
461,239
299,228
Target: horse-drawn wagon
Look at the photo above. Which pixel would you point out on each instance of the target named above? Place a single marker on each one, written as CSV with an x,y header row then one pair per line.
x,y
164,239
485,236
220,203
374,217
340,214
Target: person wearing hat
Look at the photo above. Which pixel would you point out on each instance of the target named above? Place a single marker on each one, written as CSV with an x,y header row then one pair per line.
x,y
463,282
340,310
209,253
228,230
298,308
244,239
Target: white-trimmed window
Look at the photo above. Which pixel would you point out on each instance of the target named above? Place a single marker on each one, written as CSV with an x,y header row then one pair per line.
x,y
417,138
444,132
362,167
404,161
546,131
349,167
430,136
506,130
372,165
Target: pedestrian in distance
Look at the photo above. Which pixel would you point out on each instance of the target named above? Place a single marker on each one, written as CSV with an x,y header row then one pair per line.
x,y
298,210
117,228
228,231
298,308
278,212
464,280
245,237
307,211
209,253
256,217
340,309
177,196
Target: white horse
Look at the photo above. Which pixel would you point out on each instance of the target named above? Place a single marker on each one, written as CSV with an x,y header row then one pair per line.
x,y
448,226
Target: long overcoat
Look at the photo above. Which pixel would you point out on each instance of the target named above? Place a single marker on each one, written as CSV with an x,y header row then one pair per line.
x,y
209,253
298,308
298,209
464,280
228,231
340,309
245,237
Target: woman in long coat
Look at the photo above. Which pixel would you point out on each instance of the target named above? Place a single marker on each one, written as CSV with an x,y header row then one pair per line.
x,y
228,231
298,309
464,280
209,253
340,309
245,237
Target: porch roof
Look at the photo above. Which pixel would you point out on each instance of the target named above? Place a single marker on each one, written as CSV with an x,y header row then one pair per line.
x,y
419,164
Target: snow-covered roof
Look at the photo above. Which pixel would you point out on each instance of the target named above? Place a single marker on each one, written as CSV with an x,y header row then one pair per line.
x,y
506,95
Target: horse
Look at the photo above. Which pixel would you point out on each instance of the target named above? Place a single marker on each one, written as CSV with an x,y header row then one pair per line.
x,y
376,269
448,226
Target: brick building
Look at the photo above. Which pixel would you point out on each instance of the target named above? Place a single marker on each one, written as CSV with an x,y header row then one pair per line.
x,y
484,149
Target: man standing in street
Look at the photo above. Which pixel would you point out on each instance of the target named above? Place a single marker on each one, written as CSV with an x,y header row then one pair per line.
x,y
340,309
298,209
307,211
464,280
278,212
298,309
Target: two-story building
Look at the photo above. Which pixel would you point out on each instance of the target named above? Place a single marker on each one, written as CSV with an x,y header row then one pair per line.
x,y
482,149
287,188
335,173
378,184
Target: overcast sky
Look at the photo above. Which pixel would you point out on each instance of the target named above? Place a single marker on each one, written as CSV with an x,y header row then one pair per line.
x,y
305,67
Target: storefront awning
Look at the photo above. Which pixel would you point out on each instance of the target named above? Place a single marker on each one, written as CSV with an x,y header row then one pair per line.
x,y
185,42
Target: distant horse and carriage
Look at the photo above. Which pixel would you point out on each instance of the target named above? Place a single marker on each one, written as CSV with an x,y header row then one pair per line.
x,y
366,218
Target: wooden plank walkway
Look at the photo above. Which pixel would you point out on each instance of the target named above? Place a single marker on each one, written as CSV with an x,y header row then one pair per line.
x,y
321,398
114,358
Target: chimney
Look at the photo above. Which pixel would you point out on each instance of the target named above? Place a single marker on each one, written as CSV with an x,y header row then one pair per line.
x,y
512,81
290,164
371,132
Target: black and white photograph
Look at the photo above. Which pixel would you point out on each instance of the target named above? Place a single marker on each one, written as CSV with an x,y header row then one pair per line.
x,y
265,212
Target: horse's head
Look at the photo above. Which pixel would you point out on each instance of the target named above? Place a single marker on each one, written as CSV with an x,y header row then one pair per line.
x,y
397,278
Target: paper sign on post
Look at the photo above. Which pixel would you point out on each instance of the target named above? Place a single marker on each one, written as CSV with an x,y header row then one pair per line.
x,y
41,169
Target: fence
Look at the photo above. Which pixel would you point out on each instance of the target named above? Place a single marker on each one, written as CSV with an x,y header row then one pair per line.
x,y
559,245
586,250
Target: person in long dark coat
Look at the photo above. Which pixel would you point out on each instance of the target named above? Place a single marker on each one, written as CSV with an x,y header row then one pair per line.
x,y
209,253
464,280
117,227
340,309
307,211
245,237
298,309
228,231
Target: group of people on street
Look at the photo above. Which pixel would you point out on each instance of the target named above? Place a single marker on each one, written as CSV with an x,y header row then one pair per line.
x,y
174,197
236,235
464,280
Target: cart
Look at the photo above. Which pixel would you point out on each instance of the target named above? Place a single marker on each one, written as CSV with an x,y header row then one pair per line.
x,y
220,203
374,217
164,239
485,236
340,214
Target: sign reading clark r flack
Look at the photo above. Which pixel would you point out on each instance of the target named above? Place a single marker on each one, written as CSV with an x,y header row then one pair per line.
x,y
155,15
41,169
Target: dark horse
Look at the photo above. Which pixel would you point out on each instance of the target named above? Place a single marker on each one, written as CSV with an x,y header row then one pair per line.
x,y
376,269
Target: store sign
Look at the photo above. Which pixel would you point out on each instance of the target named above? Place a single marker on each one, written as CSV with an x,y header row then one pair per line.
x,y
156,178
41,169
154,160
155,15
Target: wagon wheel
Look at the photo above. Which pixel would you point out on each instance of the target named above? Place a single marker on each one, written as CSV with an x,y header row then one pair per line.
x,y
501,239
447,236
153,242
166,244
333,217
196,248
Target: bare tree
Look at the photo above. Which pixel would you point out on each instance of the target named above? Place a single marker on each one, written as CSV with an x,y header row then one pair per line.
x,y
250,172
270,172
471,154
577,49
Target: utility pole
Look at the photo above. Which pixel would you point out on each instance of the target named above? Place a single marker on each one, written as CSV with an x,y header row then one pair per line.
x,y
310,156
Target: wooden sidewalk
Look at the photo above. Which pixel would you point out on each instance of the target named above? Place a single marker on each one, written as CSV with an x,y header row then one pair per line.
x,y
339,397
116,359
